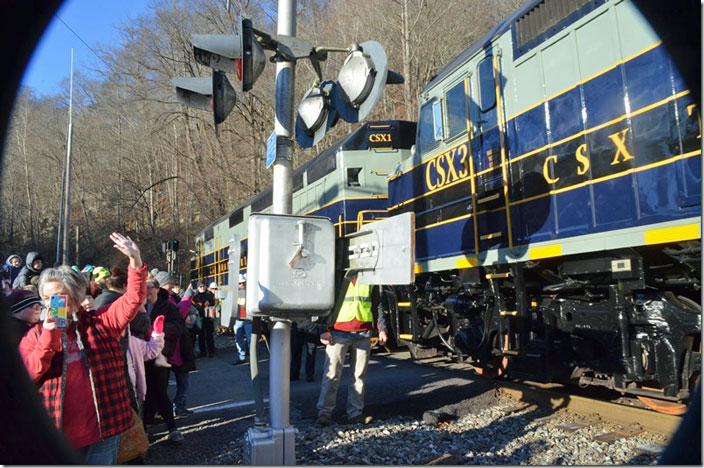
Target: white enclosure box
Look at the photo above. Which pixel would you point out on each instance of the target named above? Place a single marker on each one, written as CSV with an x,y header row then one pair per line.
x,y
290,265
228,294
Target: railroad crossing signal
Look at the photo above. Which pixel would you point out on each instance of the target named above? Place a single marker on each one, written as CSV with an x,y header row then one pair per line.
x,y
316,114
360,81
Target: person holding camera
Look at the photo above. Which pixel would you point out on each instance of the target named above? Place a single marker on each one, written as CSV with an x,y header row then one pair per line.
x,y
79,368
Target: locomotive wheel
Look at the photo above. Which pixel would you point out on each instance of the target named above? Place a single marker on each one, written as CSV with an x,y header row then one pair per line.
x,y
663,406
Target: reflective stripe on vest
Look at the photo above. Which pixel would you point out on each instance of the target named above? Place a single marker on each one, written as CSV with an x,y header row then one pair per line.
x,y
357,304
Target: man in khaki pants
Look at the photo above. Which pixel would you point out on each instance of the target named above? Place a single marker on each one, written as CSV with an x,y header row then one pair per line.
x,y
351,332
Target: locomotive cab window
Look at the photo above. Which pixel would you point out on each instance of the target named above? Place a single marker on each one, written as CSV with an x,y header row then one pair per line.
x,y
353,176
426,127
437,121
487,85
456,99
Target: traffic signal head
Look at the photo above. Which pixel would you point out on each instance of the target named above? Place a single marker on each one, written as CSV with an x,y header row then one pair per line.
x,y
224,96
361,81
218,51
175,245
194,92
214,94
253,57
238,53
316,115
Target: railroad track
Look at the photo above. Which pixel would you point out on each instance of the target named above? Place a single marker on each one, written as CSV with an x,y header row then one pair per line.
x,y
629,413
625,413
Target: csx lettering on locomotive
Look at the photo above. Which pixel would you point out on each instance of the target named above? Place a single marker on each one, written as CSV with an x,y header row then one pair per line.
x,y
380,138
447,168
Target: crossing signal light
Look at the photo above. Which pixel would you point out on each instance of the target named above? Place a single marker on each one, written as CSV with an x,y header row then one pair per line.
x,y
175,245
361,81
316,115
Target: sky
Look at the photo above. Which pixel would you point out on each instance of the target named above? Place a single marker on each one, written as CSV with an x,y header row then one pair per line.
x,y
94,21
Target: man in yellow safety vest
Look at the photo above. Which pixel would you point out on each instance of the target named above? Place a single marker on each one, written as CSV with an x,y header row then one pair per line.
x,y
351,332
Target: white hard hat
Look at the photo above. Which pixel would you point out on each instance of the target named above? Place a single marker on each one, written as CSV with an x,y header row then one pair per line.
x,y
213,285
243,277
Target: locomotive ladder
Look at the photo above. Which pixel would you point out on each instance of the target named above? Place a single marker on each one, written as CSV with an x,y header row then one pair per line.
x,y
499,200
511,306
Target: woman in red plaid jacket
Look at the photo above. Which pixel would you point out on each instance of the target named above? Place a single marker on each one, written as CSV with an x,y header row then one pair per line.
x,y
79,369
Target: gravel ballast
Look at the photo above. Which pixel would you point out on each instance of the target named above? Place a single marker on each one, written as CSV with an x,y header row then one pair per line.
x,y
490,436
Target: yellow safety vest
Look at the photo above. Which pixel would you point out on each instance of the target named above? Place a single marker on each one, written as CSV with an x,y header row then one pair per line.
x,y
357,304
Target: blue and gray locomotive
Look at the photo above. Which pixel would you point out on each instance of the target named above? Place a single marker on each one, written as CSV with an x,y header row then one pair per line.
x,y
556,182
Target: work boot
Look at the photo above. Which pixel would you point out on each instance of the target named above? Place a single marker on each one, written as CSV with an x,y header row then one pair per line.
x,y
323,420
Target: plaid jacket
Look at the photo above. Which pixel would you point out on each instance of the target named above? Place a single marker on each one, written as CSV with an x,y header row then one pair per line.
x,y
43,353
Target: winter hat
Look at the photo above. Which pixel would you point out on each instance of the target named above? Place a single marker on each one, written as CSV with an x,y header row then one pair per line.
x,y
154,272
100,273
9,259
20,299
163,278
243,277
213,285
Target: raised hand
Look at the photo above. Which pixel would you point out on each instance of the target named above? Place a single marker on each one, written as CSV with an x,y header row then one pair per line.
x,y
127,246
158,326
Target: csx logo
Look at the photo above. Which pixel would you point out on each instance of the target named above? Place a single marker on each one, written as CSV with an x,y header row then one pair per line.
x,y
380,138
621,155
447,168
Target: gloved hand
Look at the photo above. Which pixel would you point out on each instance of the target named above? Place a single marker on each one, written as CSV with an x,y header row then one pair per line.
x,y
158,326
189,291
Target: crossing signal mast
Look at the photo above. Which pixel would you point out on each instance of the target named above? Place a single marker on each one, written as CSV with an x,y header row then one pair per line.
x,y
351,97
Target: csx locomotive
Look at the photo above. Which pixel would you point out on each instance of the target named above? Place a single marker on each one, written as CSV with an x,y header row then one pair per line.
x,y
556,183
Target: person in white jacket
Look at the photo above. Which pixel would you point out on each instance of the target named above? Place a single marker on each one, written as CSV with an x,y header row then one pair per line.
x,y
139,351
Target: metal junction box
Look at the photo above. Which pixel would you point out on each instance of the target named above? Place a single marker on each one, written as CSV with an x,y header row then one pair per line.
x,y
290,265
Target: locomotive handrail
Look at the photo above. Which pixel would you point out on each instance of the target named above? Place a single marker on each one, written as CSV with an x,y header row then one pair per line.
x,y
360,217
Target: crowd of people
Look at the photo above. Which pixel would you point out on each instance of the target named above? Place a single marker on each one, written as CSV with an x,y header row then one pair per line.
x,y
124,334
127,331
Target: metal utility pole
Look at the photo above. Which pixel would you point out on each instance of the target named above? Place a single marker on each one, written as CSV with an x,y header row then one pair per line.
x,y
279,365
78,240
66,195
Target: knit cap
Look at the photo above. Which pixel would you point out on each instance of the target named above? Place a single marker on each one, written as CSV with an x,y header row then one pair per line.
x,y
163,278
20,299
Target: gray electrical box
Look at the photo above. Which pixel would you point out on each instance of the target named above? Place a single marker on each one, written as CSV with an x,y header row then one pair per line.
x,y
290,265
